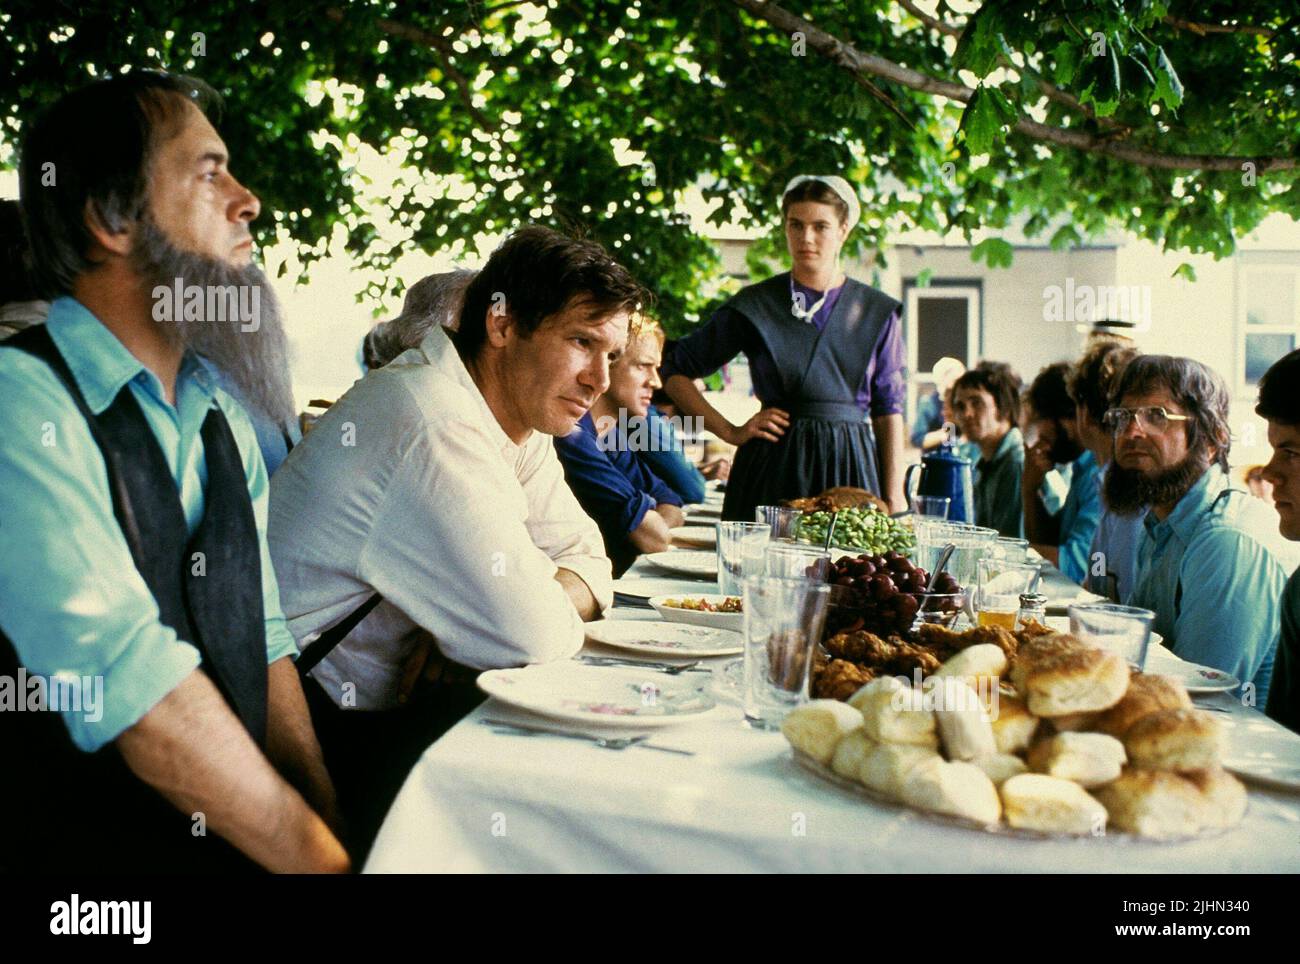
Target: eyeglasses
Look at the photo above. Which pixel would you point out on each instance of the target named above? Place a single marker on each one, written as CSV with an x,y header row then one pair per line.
x,y
1152,418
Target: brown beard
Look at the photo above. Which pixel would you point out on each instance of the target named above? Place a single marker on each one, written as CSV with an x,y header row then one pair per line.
x,y
1129,491
255,363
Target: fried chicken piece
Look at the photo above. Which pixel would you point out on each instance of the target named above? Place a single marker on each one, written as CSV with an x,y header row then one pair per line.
x,y
909,657
1030,631
840,679
945,641
860,646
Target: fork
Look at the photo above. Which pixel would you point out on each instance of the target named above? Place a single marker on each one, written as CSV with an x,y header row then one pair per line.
x,y
604,742
672,669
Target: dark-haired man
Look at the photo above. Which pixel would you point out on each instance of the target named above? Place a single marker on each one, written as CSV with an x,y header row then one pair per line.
x,y
1211,563
986,404
133,495
1063,537
433,485
1279,404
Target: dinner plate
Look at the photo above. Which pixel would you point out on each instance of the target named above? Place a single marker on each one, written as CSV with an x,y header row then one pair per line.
x,y
696,617
598,695
646,587
663,638
1197,678
700,537
686,562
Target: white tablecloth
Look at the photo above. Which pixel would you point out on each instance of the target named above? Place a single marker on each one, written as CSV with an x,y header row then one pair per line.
x,y
479,800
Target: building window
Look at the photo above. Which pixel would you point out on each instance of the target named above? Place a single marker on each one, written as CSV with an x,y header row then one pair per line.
x,y
940,319
1271,309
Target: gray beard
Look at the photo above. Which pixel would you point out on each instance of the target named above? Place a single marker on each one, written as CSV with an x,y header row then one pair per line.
x,y
255,362
1128,491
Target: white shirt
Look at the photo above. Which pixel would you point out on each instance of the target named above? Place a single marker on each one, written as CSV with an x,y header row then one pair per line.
x,y
409,487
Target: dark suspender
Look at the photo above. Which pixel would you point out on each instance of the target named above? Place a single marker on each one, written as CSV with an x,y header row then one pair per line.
x,y
321,646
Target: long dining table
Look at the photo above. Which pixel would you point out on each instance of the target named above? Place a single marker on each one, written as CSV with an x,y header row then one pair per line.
x,y
482,799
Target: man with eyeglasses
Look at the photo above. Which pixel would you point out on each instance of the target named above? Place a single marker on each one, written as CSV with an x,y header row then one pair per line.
x,y
1279,405
1211,563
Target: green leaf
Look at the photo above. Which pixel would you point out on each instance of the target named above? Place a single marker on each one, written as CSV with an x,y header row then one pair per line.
x,y
1065,237
1065,62
1184,271
1169,89
978,46
923,277
995,252
984,118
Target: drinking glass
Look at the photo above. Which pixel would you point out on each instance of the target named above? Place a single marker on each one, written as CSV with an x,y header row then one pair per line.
x,y
1123,629
931,506
783,521
999,587
740,553
1010,549
783,624
797,562
972,543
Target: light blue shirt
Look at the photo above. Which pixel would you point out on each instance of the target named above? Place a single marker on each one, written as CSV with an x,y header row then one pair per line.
x,y
71,599
1222,548
1079,517
1114,549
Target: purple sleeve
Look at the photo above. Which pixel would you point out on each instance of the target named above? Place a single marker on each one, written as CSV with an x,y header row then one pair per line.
x,y
884,389
707,348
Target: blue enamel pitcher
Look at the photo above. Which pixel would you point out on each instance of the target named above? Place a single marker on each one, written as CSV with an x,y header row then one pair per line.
x,y
945,474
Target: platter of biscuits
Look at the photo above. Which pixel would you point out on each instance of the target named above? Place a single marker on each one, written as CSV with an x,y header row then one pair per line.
x,y
1035,733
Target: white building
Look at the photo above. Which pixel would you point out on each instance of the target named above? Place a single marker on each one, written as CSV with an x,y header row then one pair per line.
x,y
1238,316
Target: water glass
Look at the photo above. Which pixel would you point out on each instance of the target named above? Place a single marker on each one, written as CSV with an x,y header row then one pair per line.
x,y
1124,629
783,624
740,553
797,562
999,586
971,542
1010,549
931,506
783,521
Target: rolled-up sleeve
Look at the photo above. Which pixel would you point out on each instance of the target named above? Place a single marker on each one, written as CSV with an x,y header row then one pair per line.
x,y
887,380
707,348
1229,614
71,599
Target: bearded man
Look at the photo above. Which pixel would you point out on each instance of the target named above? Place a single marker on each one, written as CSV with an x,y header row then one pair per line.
x,y
134,572
1211,562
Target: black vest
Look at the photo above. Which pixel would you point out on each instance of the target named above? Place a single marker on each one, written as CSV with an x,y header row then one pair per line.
x,y
65,810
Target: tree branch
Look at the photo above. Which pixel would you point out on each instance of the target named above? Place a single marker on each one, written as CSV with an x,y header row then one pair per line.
x,y
1203,28
856,62
1048,89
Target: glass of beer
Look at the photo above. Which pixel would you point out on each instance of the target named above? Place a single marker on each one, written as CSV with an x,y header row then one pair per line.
x,y
997,590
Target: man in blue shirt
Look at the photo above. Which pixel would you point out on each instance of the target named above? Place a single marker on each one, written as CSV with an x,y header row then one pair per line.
x,y
1211,563
986,403
633,507
1112,557
1279,403
667,459
134,504
1064,537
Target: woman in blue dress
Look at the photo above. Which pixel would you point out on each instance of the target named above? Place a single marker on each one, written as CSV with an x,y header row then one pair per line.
x,y
827,362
